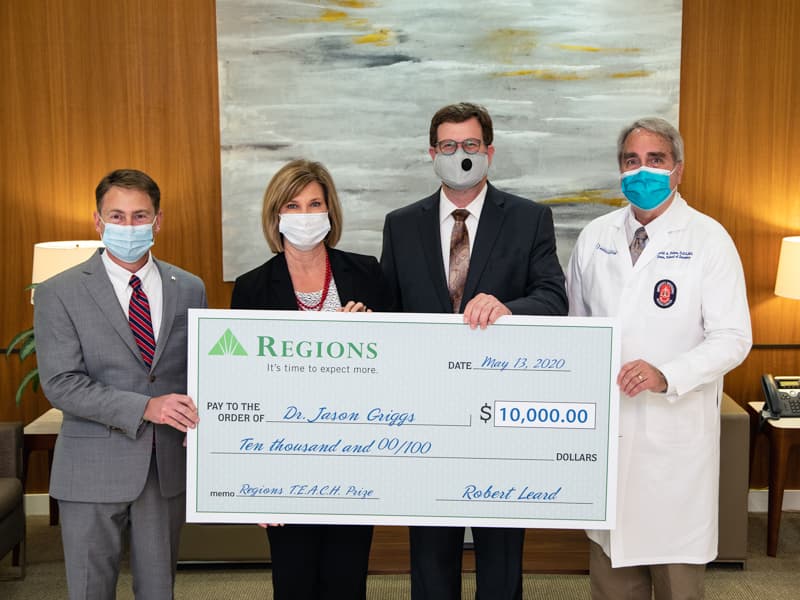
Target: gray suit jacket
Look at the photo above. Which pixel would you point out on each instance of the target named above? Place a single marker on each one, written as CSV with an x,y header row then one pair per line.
x,y
91,368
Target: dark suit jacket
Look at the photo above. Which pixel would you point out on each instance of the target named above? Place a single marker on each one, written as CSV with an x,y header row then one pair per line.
x,y
513,257
358,277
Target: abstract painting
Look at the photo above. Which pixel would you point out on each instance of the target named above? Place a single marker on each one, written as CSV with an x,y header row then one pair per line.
x,y
354,83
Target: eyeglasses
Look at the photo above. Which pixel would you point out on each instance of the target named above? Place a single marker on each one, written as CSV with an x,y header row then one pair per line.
x,y
469,145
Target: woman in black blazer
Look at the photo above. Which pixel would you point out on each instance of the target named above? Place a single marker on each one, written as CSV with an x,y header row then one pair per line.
x,y
302,221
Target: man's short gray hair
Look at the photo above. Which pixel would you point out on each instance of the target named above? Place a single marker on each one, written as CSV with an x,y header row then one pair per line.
x,y
659,127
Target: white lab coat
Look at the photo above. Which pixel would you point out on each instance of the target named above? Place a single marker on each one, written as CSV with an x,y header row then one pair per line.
x,y
668,483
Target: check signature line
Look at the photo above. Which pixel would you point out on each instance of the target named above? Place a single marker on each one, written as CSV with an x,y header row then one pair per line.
x,y
514,501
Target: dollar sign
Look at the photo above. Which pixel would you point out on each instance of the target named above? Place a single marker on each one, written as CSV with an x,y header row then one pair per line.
x,y
486,413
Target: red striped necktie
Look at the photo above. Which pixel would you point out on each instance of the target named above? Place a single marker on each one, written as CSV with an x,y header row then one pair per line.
x,y
141,324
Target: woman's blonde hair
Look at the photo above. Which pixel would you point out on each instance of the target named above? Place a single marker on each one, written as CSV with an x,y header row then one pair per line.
x,y
286,184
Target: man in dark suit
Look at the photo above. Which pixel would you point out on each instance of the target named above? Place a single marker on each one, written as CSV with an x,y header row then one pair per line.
x,y
111,348
470,248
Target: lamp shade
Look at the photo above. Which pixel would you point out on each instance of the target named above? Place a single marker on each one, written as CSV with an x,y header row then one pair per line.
x,y
50,258
787,281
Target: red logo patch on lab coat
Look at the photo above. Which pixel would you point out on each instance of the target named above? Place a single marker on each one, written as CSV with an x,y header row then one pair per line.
x,y
664,293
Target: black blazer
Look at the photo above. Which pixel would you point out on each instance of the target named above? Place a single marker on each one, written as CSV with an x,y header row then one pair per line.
x,y
358,277
513,257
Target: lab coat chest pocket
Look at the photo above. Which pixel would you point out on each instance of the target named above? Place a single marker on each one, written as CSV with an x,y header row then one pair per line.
x,y
607,273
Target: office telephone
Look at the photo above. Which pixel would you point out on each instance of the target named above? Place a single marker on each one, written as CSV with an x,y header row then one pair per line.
x,y
782,395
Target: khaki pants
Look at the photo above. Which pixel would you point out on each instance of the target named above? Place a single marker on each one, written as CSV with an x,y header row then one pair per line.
x,y
669,582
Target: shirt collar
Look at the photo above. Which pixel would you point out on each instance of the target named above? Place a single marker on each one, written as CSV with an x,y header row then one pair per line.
x,y
446,207
660,224
121,275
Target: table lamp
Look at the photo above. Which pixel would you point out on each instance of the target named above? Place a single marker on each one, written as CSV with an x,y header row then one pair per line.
x,y
787,281
50,258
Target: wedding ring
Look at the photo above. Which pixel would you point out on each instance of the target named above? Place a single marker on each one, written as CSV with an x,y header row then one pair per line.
x,y
640,377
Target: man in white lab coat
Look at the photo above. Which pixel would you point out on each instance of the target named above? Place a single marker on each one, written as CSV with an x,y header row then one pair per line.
x,y
674,279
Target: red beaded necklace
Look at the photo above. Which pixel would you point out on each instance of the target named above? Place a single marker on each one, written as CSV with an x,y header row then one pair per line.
x,y
325,288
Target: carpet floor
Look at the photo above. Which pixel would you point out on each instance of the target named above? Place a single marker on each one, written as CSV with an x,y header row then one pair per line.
x,y
764,578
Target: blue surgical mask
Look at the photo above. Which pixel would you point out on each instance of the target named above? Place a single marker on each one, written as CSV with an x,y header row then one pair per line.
x,y
646,188
128,243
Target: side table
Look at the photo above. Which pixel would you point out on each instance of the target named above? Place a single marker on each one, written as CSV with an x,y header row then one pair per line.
x,y
41,434
783,436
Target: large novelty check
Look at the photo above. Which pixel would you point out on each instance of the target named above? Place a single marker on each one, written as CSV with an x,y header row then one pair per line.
x,y
402,419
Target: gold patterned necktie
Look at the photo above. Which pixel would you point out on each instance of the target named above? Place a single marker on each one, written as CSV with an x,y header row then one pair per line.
x,y
459,258
638,244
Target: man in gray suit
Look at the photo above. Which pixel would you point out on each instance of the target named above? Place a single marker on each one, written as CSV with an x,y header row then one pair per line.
x,y
111,348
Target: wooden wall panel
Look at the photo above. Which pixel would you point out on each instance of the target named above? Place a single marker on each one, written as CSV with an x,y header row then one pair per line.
x,y
90,85
741,125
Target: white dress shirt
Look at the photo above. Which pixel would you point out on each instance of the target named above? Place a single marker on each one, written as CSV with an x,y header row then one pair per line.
x,y
151,284
446,220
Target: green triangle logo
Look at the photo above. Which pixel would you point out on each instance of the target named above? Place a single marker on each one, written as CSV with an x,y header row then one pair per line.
x,y
227,345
